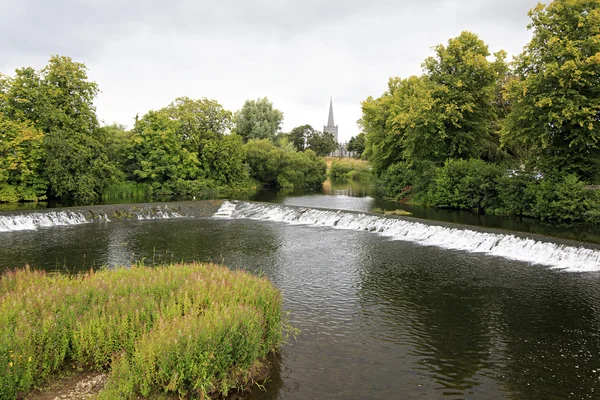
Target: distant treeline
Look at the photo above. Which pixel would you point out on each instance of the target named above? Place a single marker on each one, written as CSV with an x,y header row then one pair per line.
x,y
52,145
478,133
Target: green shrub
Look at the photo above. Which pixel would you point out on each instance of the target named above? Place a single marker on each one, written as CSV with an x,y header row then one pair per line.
x,y
466,184
350,169
302,171
178,329
561,198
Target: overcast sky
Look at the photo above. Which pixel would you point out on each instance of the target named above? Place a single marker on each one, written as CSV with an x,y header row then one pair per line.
x,y
298,53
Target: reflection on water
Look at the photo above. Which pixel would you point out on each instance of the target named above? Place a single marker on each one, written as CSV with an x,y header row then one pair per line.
x,y
378,318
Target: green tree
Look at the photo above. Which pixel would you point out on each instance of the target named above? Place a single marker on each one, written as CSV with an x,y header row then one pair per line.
x,y
59,102
464,84
555,95
321,143
452,111
198,121
156,155
356,144
258,120
223,160
265,160
21,159
302,171
299,136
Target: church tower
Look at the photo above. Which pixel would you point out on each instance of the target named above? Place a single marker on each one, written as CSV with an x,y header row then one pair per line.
x,y
331,127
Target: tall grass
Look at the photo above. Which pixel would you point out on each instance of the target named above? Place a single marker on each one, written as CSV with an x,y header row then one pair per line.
x,y
194,328
125,191
350,169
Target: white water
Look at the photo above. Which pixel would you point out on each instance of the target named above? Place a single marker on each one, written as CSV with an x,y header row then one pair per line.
x,y
33,221
226,210
36,220
555,255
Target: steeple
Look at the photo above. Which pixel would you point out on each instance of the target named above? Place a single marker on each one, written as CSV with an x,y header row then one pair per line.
x,y
330,127
330,122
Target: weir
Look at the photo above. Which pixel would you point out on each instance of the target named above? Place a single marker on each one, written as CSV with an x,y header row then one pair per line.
x,y
566,257
35,220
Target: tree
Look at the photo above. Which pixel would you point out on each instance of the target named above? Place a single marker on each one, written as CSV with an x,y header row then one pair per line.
x,y
555,94
21,158
157,156
451,111
198,121
223,160
258,120
356,144
464,84
58,101
299,136
265,160
321,143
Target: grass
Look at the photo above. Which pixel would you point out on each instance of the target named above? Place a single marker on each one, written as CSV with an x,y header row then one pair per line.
x,y
189,329
350,169
124,191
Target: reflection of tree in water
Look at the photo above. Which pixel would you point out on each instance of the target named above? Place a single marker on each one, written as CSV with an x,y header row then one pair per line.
x,y
64,249
235,243
481,321
426,298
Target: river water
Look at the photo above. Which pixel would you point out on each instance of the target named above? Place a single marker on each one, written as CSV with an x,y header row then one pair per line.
x,y
387,308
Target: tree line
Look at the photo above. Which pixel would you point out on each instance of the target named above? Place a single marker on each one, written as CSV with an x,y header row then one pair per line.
x,y
52,144
477,132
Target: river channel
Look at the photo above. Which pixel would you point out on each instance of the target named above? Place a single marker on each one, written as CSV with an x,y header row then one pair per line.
x,y
387,308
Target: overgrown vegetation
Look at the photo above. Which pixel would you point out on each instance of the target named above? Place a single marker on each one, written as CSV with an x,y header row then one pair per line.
x,y
52,145
187,329
477,133
349,169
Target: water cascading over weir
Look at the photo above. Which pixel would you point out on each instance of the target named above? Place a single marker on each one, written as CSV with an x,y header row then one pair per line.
x,y
515,247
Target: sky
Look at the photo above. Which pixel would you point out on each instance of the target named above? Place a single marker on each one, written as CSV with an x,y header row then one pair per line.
x,y
299,53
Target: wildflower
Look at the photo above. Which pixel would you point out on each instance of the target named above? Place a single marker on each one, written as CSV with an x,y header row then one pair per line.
x,y
10,364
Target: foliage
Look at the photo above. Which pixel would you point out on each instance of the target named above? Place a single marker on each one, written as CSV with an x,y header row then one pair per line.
x,y
449,112
321,143
302,171
198,121
299,136
349,169
356,144
157,154
180,329
555,95
223,160
265,160
404,183
258,120
58,101
468,185
21,158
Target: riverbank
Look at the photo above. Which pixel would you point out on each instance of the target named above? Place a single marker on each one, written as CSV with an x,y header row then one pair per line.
x,y
181,329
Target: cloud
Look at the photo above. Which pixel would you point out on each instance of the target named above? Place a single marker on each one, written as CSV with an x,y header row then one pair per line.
x,y
143,54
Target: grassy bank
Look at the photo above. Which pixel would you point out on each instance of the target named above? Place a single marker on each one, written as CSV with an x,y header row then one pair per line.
x,y
194,329
349,169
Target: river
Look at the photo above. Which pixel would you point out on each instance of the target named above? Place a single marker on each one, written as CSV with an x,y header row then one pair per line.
x,y
387,307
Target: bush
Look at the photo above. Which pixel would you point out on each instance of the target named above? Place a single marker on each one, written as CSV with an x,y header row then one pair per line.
x,y
466,184
562,198
178,329
350,169
302,171
402,182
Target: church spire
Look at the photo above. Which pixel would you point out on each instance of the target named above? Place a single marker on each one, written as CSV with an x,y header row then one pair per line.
x,y
330,121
